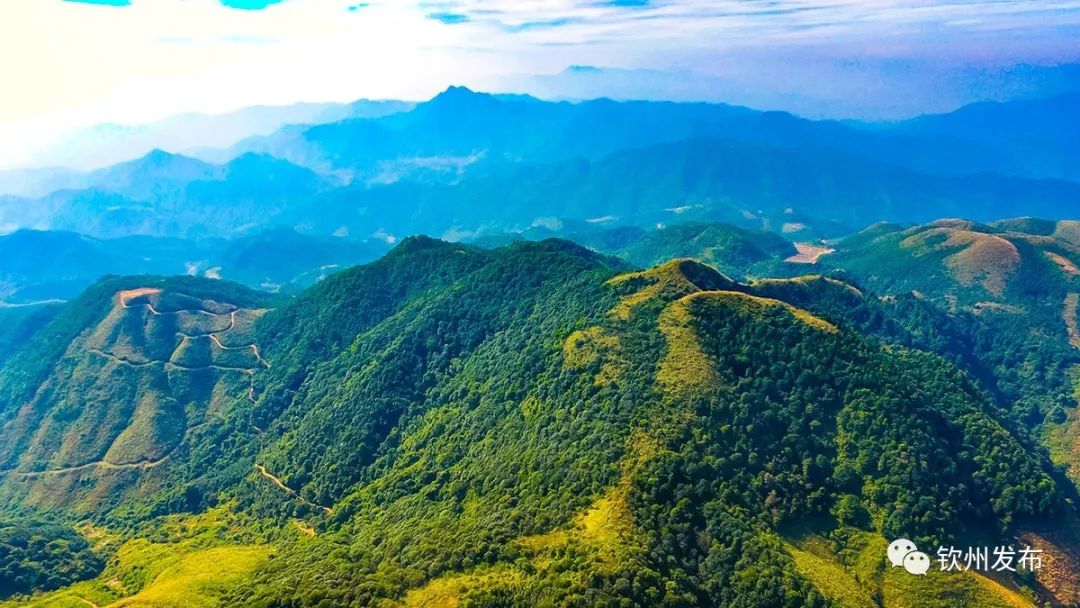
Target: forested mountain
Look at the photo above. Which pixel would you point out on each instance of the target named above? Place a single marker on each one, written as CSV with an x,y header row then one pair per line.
x,y
535,424
735,251
972,263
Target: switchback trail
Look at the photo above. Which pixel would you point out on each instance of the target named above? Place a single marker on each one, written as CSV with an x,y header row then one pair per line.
x,y
125,296
291,492
169,364
142,464
104,464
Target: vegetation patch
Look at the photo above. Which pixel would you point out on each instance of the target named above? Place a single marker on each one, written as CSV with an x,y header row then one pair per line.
x,y
754,305
594,347
198,579
685,369
665,283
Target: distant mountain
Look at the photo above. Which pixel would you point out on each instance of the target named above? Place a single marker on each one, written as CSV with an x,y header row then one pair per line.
x,y
282,259
158,174
107,144
34,183
163,194
813,193
531,425
806,192
735,251
37,266
868,89
462,126
41,266
1037,137
1011,291
466,163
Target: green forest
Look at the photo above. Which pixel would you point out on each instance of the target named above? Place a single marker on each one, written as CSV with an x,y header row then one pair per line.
x,y
536,424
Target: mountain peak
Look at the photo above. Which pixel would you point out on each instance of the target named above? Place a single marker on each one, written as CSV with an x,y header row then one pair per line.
x,y
157,156
583,69
460,95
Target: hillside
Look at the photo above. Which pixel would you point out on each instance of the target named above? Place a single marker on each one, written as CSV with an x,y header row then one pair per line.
x,y
975,264
1002,296
530,425
118,381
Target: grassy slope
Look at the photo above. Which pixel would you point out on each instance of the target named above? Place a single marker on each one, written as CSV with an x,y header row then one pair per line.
x,y
861,578
186,565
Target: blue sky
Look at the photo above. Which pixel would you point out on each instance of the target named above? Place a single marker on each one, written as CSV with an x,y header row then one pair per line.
x,y
131,61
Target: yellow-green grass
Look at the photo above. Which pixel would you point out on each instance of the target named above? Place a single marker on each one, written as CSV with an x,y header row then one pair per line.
x,y
831,579
947,589
170,575
807,280
447,591
188,567
584,347
860,578
755,305
199,578
666,283
685,369
1063,440
604,532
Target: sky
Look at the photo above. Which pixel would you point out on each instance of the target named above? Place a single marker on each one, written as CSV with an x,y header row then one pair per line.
x,y
71,63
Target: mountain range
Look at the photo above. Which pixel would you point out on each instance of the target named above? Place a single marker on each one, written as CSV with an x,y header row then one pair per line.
x,y
467,163
106,144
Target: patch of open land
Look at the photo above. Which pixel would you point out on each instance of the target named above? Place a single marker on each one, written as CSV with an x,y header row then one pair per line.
x,y
808,253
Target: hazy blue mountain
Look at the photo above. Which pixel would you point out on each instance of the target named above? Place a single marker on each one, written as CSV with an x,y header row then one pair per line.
x,y
36,265
806,191
868,89
156,174
39,266
1036,137
282,259
163,194
461,127
466,163
106,144
32,183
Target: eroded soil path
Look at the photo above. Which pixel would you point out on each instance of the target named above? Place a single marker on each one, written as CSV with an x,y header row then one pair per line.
x,y
291,492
